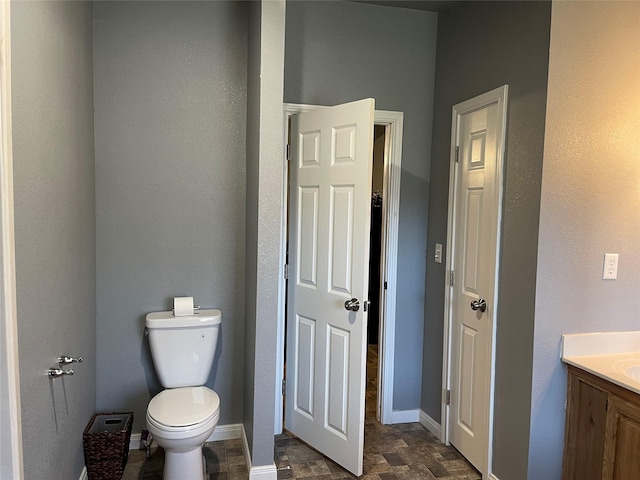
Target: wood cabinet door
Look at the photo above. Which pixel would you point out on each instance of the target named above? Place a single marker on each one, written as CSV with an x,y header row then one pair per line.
x,y
622,440
585,430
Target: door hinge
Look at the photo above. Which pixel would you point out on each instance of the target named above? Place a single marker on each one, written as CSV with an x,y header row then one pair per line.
x,y
451,278
284,386
288,152
457,153
286,271
447,397
385,285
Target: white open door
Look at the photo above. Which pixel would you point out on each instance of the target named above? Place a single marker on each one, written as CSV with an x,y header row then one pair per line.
x,y
479,126
330,207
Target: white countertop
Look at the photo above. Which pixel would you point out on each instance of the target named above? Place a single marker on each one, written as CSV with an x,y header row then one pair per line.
x,y
613,356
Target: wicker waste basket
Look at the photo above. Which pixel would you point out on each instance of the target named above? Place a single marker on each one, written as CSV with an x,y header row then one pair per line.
x,y
106,445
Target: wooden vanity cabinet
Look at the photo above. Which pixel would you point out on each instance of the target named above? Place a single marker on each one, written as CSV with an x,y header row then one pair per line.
x,y
602,432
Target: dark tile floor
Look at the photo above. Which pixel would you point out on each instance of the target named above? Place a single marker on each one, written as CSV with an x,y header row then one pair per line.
x,y
403,452
225,460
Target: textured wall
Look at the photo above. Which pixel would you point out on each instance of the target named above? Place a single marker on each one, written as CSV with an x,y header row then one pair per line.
x,y
53,155
482,45
264,219
339,52
590,200
170,119
253,173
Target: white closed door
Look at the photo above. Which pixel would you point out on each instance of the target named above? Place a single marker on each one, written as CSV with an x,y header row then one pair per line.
x,y
330,206
475,240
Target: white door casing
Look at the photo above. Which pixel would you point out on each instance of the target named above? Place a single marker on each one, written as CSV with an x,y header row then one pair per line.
x,y
331,151
11,458
474,221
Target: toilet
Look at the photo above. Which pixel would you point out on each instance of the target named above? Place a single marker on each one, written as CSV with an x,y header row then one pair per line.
x,y
183,416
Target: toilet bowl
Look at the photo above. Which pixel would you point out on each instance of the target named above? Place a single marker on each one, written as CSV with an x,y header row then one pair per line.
x,y
181,420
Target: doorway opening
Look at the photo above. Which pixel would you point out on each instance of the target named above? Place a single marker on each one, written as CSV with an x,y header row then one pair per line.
x,y
387,162
376,282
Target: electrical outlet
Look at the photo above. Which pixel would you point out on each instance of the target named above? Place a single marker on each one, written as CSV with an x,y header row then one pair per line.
x,y
610,269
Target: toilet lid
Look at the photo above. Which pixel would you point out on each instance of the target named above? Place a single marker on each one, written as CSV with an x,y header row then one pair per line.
x,y
180,407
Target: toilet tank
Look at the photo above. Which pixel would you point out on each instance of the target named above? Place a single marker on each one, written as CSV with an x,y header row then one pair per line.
x,y
183,348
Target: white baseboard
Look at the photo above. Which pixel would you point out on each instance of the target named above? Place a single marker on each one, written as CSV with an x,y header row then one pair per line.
x,y
263,472
222,432
430,424
245,447
492,477
84,475
226,432
405,416
134,441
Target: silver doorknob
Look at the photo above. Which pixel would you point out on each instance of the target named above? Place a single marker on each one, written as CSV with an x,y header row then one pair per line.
x,y
353,305
479,305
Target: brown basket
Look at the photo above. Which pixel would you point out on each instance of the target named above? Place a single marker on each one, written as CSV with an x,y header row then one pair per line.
x,y
106,445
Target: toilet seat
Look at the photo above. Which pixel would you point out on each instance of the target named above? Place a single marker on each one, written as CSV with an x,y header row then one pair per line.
x,y
180,408
181,433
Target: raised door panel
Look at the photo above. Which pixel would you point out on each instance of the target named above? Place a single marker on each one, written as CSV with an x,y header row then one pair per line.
x,y
465,413
308,236
337,381
305,365
341,239
472,244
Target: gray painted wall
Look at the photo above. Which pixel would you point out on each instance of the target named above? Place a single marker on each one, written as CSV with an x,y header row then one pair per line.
x,y
590,201
338,52
494,43
53,154
170,120
253,172
264,220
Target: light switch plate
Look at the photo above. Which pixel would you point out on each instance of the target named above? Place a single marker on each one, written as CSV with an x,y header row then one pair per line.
x,y
438,255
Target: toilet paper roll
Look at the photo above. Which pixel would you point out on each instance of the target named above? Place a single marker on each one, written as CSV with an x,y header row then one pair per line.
x,y
182,306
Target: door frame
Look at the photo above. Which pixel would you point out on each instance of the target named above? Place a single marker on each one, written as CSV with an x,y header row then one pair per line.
x,y
499,96
11,418
389,260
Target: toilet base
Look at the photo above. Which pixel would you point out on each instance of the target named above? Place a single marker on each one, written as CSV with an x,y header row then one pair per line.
x,y
184,465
